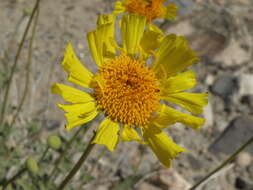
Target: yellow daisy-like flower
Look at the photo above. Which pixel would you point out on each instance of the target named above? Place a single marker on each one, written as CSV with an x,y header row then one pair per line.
x,y
128,90
151,9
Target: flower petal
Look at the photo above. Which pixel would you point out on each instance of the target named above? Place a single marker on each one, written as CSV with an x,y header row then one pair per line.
x,y
71,94
130,134
78,114
132,28
182,81
100,39
169,12
78,74
107,134
193,102
119,7
173,55
168,116
151,38
163,147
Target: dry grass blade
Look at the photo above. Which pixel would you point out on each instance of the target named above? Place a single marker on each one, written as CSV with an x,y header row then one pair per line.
x,y
28,65
9,81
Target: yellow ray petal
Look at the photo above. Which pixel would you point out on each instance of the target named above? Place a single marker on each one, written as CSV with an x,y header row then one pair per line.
x,y
78,108
163,147
169,12
132,28
168,116
74,120
119,7
193,102
107,134
151,39
182,81
78,74
173,55
100,39
155,28
130,134
78,114
71,94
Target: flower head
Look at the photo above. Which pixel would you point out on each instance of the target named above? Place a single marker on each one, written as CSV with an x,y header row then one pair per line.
x,y
128,90
151,9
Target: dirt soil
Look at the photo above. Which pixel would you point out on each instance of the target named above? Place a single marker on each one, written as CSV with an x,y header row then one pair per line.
x,y
222,34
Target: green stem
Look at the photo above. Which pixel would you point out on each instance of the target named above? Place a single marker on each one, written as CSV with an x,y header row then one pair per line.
x,y
62,155
11,180
16,62
28,64
44,154
23,170
223,164
78,164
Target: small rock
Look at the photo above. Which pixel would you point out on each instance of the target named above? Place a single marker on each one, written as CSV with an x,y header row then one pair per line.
x,y
235,135
243,159
173,180
224,86
245,84
234,54
208,115
183,28
209,80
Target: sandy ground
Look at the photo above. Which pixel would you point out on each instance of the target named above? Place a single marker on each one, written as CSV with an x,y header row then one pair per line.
x,y
219,30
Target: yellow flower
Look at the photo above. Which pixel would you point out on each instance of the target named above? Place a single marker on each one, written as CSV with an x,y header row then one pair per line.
x,y
128,90
151,9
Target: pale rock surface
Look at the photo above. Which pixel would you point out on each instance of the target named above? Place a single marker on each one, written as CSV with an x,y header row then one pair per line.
x,y
233,54
246,84
173,180
208,115
243,159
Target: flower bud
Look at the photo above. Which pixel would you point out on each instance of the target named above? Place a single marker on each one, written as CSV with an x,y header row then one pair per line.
x,y
32,165
54,142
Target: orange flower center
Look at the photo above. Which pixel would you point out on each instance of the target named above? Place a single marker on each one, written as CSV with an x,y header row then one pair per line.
x,y
129,91
149,8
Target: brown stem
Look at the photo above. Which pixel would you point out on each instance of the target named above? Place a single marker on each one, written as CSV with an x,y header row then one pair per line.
x,y
78,164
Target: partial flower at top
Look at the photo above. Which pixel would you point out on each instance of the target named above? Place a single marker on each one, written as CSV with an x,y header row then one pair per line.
x,y
128,91
151,9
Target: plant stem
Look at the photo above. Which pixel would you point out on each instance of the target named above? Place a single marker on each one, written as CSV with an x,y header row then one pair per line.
x,y
44,154
16,62
23,170
78,164
28,64
62,155
19,174
223,164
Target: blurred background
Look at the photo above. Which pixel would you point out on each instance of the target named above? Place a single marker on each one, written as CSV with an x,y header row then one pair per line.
x,y
220,31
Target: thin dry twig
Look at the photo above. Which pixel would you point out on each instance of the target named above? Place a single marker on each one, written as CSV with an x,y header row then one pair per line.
x,y
9,81
28,65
